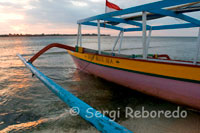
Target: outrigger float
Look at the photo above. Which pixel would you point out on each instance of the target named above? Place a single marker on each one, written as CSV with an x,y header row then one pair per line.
x,y
157,75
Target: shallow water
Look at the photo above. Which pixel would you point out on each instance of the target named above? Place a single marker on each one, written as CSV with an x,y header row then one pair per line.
x,y
26,105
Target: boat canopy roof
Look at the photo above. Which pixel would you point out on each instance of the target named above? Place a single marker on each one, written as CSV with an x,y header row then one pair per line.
x,y
171,8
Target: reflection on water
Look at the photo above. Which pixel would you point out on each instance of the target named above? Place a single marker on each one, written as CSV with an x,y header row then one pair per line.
x,y
23,126
28,106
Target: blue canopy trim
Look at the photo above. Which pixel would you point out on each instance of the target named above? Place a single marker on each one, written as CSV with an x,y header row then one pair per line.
x,y
156,8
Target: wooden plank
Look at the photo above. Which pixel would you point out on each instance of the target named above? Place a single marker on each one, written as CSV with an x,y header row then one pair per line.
x,y
164,27
173,14
103,25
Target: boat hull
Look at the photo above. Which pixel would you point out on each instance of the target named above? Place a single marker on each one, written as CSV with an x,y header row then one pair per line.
x,y
181,92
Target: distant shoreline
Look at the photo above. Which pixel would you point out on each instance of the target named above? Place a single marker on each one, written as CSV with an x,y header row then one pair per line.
x,y
46,35
42,35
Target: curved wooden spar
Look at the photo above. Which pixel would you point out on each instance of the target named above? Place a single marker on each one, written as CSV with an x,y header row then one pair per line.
x,y
100,122
58,45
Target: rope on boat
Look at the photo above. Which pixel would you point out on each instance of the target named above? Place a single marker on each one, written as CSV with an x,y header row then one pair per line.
x,y
100,122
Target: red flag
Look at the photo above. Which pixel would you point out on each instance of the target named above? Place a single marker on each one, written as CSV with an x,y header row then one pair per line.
x,y
110,7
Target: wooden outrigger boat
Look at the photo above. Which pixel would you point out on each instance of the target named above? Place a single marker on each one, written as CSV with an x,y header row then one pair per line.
x,y
156,75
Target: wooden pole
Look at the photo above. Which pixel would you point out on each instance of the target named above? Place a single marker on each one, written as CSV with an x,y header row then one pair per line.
x,y
198,49
148,41
99,37
100,122
78,35
120,45
116,41
144,38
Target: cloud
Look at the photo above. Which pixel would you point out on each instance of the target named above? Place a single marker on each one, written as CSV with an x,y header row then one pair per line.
x,y
62,11
10,16
57,16
79,3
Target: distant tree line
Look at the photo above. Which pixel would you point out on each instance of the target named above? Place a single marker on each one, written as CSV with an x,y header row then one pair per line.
x,y
38,35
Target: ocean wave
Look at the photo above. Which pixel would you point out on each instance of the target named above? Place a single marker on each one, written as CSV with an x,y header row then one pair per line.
x,y
48,53
55,67
32,54
30,126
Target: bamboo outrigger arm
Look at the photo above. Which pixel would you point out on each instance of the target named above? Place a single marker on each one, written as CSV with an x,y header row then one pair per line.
x,y
100,122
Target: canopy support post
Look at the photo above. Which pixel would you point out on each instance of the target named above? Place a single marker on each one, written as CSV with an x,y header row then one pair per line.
x,y
121,39
99,37
78,35
148,40
144,38
116,41
198,49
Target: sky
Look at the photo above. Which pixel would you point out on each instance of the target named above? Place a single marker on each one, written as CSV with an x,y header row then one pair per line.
x,y
60,16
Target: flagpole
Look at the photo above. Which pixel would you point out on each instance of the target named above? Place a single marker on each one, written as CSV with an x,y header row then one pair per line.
x,y
106,7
